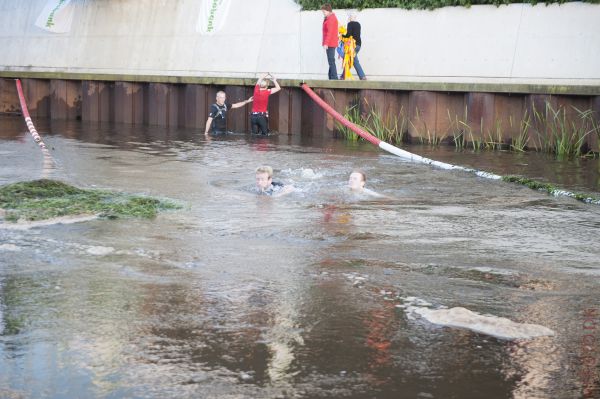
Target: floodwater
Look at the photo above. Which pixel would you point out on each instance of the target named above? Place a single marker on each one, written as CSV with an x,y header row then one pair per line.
x,y
303,296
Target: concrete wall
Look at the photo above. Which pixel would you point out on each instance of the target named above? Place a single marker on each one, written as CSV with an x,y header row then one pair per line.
x,y
557,44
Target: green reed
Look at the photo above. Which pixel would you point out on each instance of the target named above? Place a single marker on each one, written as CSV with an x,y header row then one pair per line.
x,y
520,143
352,114
494,137
426,135
562,136
549,130
387,127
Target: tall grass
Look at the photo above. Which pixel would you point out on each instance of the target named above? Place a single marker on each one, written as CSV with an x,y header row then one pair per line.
x,y
462,133
352,114
563,136
520,143
548,130
494,139
389,127
426,135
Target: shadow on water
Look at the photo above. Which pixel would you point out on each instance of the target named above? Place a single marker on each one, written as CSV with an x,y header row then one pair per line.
x,y
301,296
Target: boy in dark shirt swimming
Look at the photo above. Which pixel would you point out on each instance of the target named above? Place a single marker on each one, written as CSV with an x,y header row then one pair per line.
x,y
266,186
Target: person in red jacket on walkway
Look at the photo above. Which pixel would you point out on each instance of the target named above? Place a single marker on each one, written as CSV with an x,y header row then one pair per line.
x,y
330,38
259,118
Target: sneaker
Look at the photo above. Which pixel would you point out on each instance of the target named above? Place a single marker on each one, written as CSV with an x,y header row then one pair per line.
x,y
363,78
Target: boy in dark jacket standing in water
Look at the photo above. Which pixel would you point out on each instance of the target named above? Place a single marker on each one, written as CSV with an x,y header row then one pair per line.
x,y
330,38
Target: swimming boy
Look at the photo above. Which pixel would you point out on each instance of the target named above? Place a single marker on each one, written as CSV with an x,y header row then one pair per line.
x,y
266,186
357,181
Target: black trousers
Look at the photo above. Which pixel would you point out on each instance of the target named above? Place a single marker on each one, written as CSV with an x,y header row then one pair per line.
x,y
259,123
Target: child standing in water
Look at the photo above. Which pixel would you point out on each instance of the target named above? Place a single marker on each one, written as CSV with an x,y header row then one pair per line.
x,y
259,118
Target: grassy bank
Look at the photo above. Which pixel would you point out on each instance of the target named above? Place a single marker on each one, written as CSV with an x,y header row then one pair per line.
x,y
46,199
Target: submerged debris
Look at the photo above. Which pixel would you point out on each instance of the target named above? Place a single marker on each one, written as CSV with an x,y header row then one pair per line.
x,y
459,317
550,189
46,199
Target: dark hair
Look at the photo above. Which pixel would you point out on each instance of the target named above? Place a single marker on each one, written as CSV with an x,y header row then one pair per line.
x,y
326,7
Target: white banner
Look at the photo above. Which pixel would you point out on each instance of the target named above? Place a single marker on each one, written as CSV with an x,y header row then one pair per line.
x,y
56,17
213,14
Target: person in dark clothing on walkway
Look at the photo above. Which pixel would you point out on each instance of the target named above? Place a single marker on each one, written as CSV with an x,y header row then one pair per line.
x,y
259,118
330,38
217,116
353,29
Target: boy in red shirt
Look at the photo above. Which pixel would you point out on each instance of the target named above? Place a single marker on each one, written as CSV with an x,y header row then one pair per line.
x,y
259,117
330,38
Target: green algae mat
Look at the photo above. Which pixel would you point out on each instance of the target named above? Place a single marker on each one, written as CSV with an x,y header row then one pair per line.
x,y
46,199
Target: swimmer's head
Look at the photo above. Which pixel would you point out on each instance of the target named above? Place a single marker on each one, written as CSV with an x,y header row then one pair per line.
x,y
357,180
264,83
264,177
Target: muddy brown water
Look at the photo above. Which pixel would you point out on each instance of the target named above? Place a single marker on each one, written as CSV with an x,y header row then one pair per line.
x,y
239,296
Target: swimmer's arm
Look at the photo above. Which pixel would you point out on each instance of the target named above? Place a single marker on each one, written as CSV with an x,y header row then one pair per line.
x,y
242,103
284,191
374,194
208,124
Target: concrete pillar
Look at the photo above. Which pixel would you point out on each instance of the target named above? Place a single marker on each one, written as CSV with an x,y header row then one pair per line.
x,y
37,97
9,99
65,99
128,103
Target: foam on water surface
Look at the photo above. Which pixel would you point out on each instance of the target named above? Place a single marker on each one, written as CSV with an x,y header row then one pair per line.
x,y
459,317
